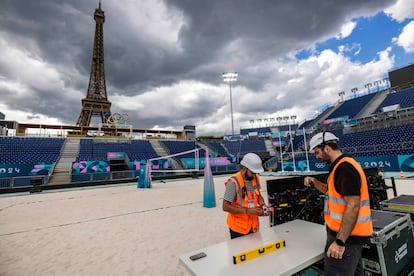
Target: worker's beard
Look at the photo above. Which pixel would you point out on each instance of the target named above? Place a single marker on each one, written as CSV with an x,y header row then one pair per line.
x,y
248,177
325,158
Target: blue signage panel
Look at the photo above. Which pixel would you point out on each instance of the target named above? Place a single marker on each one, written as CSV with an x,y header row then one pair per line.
x,y
388,163
406,162
12,170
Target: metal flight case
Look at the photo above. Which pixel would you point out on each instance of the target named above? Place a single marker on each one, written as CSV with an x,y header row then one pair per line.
x,y
391,248
291,200
401,203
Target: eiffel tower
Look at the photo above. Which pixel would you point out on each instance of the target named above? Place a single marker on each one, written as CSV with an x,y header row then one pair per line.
x,y
96,101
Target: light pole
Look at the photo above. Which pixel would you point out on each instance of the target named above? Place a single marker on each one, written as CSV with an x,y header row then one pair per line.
x,y
230,77
386,81
368,85
341,94
354,90
293,117
281,152
279,119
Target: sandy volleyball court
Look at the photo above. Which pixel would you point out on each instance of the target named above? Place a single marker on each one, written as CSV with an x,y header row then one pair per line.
x,y
114,230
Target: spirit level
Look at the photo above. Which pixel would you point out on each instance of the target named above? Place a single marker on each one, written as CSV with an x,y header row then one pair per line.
x,y
250,254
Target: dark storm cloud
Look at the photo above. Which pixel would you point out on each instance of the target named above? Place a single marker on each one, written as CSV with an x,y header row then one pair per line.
x,y
56,30
263,29
213,37
59,28
64,32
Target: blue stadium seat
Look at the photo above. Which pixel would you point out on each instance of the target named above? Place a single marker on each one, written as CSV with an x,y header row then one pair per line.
x,y
30,150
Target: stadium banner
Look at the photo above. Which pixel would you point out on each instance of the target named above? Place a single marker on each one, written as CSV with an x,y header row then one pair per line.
x,y
302,165
388,163
288,166
276,143
13,170
159,164
406,162
350,122
333,120
189,163
93,166
115,155
41,169
234,138
276,135
90,167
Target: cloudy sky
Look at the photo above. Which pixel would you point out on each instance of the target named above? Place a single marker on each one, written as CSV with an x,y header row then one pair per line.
x,y
164,59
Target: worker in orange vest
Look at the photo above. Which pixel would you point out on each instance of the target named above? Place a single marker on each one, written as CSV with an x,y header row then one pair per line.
x,y
347,209
242,198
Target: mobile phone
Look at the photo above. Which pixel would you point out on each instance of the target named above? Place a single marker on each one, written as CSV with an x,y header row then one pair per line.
x,y
198,256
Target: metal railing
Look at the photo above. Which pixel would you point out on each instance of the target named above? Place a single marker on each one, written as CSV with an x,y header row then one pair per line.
x,y
23,181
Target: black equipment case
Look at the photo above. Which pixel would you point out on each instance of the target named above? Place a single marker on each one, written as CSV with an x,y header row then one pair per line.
x,y
391,250
401,203
292,200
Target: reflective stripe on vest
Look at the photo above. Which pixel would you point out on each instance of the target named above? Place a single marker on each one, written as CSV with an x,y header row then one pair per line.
x,y
335,203
242,223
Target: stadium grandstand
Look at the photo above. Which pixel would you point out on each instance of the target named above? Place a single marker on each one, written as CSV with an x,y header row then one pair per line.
x,y
377,128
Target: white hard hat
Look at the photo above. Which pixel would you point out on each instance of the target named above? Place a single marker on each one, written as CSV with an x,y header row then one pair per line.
x,y
321,139
253,162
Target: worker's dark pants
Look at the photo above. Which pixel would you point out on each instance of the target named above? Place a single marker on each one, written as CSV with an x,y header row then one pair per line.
x,y
350,264
234,234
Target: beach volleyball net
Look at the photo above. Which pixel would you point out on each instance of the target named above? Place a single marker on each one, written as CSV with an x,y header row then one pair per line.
x,y
177,162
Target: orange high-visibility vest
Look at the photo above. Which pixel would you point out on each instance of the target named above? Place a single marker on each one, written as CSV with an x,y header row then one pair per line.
x,y
335,203
242,223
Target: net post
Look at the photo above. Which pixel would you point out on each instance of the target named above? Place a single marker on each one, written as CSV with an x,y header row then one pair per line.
x,y
144,179
209,198
148,179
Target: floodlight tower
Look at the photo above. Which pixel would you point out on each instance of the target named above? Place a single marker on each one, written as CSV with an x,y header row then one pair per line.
x,y
341,94
354,90
293,117
368,85
230,77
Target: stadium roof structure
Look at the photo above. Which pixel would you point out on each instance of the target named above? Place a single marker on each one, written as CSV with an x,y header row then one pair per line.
x,y
83,130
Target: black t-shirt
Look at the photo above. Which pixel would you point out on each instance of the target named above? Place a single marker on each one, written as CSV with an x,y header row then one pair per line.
x,y
347,179
347,182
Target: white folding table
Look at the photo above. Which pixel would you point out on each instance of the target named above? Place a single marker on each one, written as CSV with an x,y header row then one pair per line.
x,y
304,240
